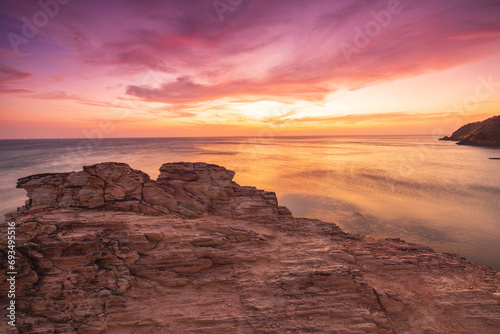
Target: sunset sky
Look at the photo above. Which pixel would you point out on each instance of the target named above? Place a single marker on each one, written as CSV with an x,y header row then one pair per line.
x,y
74,68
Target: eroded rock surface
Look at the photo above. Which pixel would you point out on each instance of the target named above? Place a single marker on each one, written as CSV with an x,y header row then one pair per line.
x,y
107,250
189,189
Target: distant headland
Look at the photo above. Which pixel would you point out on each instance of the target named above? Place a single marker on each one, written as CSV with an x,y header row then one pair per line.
x,y
485,133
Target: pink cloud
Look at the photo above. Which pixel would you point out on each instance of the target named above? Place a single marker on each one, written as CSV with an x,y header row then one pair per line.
x,y
277,49
9,75
185,90
63,95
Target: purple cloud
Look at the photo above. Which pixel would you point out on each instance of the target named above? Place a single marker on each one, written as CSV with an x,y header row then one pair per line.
x,y
266,48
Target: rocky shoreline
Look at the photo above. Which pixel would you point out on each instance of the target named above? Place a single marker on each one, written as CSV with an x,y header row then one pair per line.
x,y
108,250
485,133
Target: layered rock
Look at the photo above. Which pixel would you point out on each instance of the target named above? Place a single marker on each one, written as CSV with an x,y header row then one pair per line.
x,y
108,250
188,189
485,133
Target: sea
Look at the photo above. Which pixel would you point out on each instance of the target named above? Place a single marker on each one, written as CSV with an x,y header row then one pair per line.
x,y
416,188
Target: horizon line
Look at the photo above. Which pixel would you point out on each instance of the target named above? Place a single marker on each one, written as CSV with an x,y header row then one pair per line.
x,y
198,137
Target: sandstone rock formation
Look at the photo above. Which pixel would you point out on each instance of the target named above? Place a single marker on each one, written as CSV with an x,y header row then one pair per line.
x,y
108,250
188,189
485,133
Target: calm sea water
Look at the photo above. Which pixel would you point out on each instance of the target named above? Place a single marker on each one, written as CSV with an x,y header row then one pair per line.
x,y
411,187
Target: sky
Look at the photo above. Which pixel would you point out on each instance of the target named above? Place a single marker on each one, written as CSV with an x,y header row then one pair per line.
x,y
181,68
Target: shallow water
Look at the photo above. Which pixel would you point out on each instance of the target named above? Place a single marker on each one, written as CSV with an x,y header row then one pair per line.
x,y
412,187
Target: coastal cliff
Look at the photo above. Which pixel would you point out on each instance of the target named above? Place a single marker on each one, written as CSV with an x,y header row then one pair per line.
x,y
108,250
485,133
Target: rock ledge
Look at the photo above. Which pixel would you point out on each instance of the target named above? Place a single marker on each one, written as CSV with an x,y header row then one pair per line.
x,y
190,190
108,250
